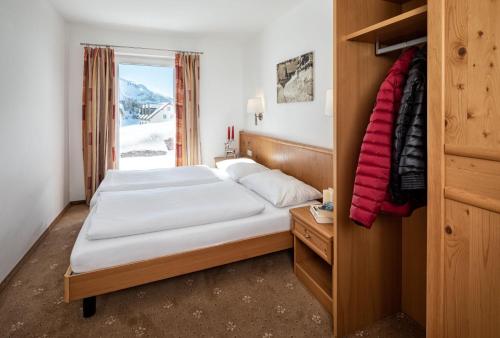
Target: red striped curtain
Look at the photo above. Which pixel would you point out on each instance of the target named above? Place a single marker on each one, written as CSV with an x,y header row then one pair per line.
x,y
99,114
187,73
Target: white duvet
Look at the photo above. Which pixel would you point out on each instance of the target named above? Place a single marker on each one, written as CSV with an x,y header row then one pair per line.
x,y
117,180
126,213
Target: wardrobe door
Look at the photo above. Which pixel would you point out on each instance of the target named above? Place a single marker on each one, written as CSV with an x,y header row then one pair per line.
x,y
464,169
472,271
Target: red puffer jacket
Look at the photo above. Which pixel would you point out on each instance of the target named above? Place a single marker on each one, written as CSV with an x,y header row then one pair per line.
x,y
371,194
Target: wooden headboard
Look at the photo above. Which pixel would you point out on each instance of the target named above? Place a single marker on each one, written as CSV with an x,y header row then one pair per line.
x,y
310,164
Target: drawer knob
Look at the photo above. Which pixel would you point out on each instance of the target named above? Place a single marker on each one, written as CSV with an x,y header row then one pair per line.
x,y
306,234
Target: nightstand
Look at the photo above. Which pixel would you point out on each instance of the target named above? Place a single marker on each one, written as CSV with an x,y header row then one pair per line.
x,y
313,254
219,159
223,158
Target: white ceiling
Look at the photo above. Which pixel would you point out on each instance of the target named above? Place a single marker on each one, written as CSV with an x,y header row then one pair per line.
x,y
186,16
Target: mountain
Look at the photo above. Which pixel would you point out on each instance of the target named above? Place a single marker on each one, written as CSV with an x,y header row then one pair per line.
x,y
140,93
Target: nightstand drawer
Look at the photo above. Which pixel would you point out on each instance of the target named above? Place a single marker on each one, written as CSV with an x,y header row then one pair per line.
x,y
322,246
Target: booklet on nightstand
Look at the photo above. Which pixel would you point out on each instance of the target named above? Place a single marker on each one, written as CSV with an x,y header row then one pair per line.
x,y
321,215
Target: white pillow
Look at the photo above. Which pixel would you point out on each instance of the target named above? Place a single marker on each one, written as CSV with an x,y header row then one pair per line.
x,y
226,163
280,189
239,170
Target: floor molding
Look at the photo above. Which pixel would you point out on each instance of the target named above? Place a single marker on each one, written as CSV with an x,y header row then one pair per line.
x,y
3,284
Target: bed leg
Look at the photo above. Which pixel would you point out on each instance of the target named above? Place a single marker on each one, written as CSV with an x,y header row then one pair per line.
x,y
89,305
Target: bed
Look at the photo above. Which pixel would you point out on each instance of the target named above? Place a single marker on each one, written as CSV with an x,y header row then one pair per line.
x,y
146,258
90,255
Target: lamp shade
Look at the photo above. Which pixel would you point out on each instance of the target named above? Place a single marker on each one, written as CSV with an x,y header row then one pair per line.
x,y
255,106
329,103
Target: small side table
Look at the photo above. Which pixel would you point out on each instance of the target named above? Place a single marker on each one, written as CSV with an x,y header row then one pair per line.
x,y
313,253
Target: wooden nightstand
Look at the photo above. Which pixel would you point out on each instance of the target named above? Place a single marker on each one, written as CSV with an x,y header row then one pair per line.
x,y
222,158
219,159
313,254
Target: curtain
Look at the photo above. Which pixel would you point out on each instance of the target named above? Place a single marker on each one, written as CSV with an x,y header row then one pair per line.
x,y
187,73
98,124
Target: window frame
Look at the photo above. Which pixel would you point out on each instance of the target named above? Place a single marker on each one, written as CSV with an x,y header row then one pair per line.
x,y
151,60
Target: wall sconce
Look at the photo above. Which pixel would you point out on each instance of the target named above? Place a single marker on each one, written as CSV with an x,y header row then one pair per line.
x,y
329,103
256,106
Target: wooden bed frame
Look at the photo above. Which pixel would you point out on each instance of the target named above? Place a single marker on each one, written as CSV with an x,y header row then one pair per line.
x,y
312,165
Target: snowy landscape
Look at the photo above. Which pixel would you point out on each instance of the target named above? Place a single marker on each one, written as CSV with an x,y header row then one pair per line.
x,y
143,146
147,130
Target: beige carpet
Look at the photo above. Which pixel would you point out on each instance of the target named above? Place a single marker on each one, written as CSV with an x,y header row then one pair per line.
x,y
255,298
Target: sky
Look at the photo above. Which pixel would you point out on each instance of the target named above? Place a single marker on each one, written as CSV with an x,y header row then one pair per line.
x,y
158,79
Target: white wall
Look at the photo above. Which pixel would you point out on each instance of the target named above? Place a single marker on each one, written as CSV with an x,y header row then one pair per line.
x,y
306,28
33,138
221,86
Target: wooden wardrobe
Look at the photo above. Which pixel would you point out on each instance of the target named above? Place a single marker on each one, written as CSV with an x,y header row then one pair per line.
x,y
441,266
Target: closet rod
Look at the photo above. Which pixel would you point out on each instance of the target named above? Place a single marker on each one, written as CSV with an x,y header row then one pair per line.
x,y
380,49
86,44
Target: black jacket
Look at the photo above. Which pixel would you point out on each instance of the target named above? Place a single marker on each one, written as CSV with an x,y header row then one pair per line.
x,y
409,152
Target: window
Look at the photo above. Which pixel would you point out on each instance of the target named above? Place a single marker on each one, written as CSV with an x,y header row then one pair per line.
x,y
146,136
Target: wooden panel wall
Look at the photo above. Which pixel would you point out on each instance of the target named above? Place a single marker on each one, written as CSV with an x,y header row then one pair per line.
x,y
367,263
409,5
413,298
463,289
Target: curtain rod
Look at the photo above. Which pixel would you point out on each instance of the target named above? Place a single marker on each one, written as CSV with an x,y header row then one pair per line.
x,y
142,48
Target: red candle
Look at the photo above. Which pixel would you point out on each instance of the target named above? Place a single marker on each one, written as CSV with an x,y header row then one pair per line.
x,y
232,133
228,133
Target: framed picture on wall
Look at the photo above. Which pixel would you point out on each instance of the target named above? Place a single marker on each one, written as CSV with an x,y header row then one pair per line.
x,y
295,79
